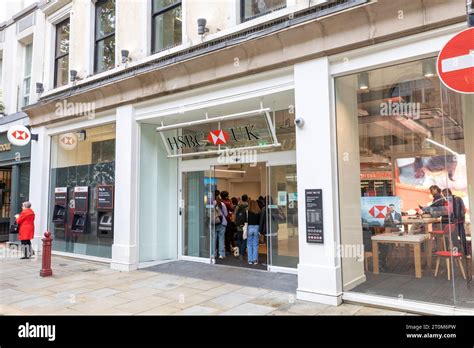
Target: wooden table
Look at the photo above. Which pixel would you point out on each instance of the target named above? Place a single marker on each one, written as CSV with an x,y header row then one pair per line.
x,y
428,222
394,238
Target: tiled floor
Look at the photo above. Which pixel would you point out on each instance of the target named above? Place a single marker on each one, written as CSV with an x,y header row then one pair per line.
x,y
85,288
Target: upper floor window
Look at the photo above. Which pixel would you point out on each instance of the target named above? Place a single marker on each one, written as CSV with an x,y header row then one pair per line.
x,y
61,58
26,85
167,24
104,57
253,8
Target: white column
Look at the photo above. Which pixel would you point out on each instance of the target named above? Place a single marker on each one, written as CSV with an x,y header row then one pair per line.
x,y
319,276
124,249
39,182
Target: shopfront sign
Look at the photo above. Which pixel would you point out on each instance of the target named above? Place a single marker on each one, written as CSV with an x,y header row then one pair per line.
x,y
314,216
215,137
5,147
456,63
19,135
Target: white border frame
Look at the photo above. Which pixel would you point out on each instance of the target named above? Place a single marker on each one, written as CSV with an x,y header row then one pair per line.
x,y
407,49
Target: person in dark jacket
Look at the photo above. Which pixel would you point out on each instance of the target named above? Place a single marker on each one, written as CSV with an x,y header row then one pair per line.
x,y
230,229
240,214
457,216
26,228
253,228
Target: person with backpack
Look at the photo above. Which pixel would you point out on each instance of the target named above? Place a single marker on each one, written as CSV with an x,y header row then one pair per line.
x,y
220,225
240,214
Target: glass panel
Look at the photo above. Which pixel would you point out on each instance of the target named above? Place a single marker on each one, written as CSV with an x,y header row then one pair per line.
x,y
24,188
28,59
85,158
105,18
105,54
62,71
198,189
282,216
158,237
161,4
167,29
401,228
255,8
62,38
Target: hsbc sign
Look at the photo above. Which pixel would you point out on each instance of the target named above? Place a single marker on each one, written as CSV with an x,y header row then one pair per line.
x,y
19,135
379,211
214,137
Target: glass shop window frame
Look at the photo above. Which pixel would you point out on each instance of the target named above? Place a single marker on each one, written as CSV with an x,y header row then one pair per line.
x,y
155,12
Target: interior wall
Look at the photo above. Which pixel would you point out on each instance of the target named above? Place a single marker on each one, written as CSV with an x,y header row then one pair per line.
x,y
349,179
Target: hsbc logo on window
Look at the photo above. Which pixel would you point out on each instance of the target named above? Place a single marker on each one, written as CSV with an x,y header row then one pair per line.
x,y
214,137
379,211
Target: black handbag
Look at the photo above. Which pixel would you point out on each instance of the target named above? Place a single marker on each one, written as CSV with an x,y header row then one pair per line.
x,y
14,228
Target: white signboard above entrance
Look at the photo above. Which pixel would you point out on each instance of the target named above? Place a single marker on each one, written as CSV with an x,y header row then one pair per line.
x,y
250,130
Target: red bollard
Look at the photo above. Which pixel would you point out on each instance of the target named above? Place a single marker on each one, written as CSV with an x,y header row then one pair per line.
x,y
46,261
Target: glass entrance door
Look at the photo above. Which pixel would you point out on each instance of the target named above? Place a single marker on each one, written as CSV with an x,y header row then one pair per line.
x,y
197,194
282,216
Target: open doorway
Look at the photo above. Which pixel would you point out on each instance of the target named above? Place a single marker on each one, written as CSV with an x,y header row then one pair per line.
x,y
239,187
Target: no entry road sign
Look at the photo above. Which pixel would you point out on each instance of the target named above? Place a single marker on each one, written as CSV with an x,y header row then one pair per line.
x,y
456,62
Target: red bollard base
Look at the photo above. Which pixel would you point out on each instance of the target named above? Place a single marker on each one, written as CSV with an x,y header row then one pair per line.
x,y
46,272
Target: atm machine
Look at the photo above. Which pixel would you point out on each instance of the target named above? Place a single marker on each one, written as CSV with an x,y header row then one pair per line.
x,y
105,210
81,210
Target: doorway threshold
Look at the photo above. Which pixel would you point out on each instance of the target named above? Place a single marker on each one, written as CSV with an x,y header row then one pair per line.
x,y
233,275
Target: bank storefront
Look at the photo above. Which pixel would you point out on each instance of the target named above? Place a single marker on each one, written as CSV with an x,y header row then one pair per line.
x,y
14,183
222,139
346,192
405,170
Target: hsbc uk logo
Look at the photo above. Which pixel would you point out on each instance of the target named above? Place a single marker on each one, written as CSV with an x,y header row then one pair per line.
x,y
379,211
218,137
214,137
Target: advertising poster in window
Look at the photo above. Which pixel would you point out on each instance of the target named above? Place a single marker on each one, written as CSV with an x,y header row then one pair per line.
x,y
376,210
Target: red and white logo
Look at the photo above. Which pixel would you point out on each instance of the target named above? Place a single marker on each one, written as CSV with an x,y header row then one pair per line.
x,y
379,211
218,137
19,135
68,141
456,62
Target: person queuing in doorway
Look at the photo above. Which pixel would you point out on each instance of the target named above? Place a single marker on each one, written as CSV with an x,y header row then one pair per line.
x,y
230,228
240,215
26,228
253,228
220,224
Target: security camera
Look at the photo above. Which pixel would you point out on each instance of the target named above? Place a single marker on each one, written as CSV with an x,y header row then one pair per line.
x,y
299,122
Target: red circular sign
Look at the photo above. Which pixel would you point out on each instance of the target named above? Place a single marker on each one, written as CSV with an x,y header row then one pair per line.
x,y
456,62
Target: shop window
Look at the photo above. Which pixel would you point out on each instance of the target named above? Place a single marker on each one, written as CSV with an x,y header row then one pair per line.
x,y
405,165
61,59
167,23
104,57
82,190
250,9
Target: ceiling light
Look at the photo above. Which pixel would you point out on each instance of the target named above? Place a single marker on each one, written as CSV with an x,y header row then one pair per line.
x,y
429,67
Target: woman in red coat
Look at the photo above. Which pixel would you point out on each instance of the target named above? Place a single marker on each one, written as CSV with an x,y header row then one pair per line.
x,y
26,225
